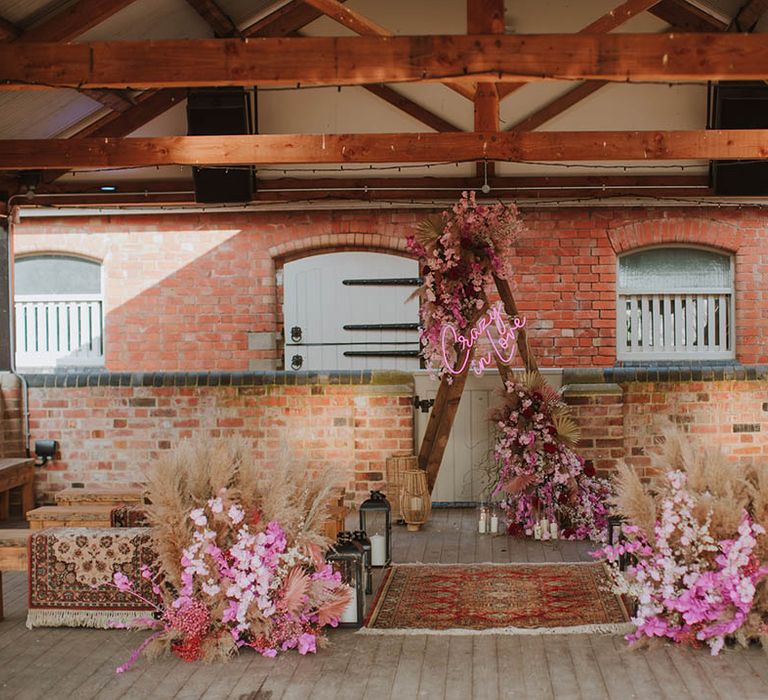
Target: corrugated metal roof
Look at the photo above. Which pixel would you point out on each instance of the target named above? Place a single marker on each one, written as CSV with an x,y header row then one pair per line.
x,y
151,19
42,114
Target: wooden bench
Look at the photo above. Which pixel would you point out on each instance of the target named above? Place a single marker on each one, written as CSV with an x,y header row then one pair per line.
x,y
103,496
69,516
13,555
17,472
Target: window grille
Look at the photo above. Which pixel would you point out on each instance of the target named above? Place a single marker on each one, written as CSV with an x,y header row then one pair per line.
x,y
675,304
59,314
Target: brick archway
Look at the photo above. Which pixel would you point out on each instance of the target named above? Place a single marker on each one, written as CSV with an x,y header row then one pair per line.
x,y
337,243
721,235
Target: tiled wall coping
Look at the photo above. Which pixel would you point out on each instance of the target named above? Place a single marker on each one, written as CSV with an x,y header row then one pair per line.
x,y
369,378
677,372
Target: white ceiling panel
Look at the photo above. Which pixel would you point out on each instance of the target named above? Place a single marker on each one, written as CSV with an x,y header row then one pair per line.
x,y
151,19
42,114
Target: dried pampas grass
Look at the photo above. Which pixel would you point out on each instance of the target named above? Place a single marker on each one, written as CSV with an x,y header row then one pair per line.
x,y
200,468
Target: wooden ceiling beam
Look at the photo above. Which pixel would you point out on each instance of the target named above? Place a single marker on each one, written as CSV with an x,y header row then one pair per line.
x,y
362,60
749,15
8,30
231,151
404,104
215,17
284,21
486,16
77,193
602,25
687,17
363,26
575,95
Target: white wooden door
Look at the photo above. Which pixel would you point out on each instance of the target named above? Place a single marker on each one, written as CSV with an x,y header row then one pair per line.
x,y
463,474
349,311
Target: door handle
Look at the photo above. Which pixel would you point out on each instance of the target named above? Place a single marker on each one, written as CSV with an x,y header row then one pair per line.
x,y
296,334
296,362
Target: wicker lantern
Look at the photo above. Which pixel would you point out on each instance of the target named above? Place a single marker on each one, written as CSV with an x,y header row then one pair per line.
x,y
415,500
397,465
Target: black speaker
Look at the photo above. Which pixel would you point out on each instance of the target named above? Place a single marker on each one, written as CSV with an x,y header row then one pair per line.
x,y
214,112
739,106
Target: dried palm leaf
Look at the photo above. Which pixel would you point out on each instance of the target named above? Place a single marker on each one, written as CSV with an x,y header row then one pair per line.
x,y
295,588
429,230
519,483
333,609
567,429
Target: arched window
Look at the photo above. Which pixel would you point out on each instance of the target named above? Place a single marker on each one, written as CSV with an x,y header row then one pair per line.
x,y
59,311
675,303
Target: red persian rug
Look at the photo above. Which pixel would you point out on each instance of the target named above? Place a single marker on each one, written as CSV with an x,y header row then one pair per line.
x,y
70,570
500,598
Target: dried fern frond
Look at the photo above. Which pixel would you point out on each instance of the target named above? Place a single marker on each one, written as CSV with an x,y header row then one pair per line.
x,y
567,429
429,230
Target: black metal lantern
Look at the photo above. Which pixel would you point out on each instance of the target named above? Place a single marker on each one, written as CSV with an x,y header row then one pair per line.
x,y
376,521
616,536
361,537
346,556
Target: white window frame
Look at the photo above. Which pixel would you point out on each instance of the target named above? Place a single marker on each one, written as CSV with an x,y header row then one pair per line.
x,y
48,360
680,348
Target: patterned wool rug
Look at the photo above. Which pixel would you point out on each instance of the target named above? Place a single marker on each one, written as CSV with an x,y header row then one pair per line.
x,y
563,598
69,569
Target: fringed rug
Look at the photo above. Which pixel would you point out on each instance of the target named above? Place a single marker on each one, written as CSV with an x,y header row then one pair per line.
x,y
128,515
497,599
69,569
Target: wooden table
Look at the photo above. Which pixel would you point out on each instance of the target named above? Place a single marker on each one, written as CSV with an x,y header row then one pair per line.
x,y
15,472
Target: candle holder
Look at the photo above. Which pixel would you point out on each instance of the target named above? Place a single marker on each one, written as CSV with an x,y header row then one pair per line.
x,y
415,501
376,521
347,557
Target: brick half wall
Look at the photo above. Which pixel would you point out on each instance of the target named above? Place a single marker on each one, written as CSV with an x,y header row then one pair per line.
x,y
111,425
621,410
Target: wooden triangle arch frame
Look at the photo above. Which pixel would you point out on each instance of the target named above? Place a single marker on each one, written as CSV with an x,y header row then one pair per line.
x,y
449,393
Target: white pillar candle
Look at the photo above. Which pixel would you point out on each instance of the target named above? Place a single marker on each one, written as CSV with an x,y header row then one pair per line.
x,y
481,525
350,612
544,523
494,524
553,530
416,504
537,531
378,550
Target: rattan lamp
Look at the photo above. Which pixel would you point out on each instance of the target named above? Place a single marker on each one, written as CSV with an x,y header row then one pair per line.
x,y
415,500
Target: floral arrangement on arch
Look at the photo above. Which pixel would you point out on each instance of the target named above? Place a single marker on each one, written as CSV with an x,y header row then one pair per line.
x,y
240,556
460,250
537,472
696,545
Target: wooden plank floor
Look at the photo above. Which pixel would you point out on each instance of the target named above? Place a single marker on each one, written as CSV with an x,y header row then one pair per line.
x,y
75,663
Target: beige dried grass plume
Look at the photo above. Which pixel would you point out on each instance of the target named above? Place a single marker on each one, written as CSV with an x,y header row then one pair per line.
x,y
198,469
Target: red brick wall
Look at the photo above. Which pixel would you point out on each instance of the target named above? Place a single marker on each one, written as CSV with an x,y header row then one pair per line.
x,y
622,421
183,291
107,433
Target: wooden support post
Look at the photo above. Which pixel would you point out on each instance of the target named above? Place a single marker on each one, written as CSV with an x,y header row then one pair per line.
x,y
449,394
440,425
6,319
508,299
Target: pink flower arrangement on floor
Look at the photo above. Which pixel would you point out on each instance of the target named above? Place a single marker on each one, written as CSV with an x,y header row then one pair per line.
x,y
242,586
460,253
537,471
689,588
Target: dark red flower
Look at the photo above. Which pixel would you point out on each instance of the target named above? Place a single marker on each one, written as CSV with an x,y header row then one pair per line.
x,y
589,468
466,243
550,447
515,529
528,412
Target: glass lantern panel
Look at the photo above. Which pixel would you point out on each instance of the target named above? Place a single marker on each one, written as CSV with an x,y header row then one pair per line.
x,y
374,522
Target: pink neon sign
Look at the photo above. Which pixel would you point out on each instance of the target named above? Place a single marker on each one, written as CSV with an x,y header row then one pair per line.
x,y
503,345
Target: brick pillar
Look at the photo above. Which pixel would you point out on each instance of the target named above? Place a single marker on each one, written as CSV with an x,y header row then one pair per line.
x,y
11,423
598,409
6,318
